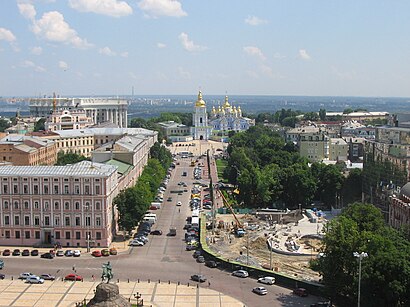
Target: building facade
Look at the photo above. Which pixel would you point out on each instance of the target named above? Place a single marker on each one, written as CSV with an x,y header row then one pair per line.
x,y
68,120
399,210
46,205
100,110
201,130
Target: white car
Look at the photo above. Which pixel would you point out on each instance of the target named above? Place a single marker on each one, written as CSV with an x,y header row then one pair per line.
x,y
267,280
76,253
260,290
179,203
26,275
240,273
136,243
34,280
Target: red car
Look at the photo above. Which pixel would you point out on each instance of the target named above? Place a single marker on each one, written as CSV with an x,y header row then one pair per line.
x,y
96,254
6,252
73,277
300,292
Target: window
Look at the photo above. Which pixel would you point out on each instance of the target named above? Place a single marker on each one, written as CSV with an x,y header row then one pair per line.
x,y
17,234
6,220
37,234
97,189
67,206
98,235
47,220
67,235
57,221
36,205
5,189
98,221
16,205
26,220
78,235
67,221
87,221
77,189
16,220
56,205
35,189
15,189
77,205
57,235
56,189
87,190
36,221
7,234
77,221
26,205
45,189
6,204
27,234
66,189
97,206
46,206
25,189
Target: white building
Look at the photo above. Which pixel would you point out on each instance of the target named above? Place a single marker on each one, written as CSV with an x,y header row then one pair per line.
x,y
201,130
68,120
99,109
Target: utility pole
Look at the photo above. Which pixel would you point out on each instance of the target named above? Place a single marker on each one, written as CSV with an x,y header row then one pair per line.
x,y
361,256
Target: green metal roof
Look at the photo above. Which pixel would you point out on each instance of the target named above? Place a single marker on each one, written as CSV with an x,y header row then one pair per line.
x,y
123,168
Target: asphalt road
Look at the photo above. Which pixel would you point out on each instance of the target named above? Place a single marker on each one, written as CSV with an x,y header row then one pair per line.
x,y
163,258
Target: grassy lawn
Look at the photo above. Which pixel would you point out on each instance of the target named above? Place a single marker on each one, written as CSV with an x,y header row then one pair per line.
x,y
221,165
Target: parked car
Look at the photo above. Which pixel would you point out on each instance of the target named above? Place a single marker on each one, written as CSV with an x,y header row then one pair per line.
x,y
76,253
190,247
211,264
179,203
200,259
267,280
156,232
2,276
136,243
240,273
47,277
260,290
34,280
96,253
196,254
105,252
34,252
25,275
6,252
16,252
207,207
113,251
73,277
142,238
300,292
47,256
198,277
25,252
68,253
60,253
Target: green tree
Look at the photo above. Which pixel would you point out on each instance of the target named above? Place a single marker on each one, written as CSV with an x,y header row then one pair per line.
x,y
69,158
352,187
329,182
161,153
322,114
39,125
289,121
313,116
4,124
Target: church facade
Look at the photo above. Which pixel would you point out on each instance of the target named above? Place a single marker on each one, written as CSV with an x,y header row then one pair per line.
x,y
223,119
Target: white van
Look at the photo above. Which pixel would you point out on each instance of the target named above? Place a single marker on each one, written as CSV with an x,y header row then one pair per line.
x,y
151,215
149,219
267,280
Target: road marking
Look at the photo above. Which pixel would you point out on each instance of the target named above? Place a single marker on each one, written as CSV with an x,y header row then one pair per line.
x,y
65,294
153,292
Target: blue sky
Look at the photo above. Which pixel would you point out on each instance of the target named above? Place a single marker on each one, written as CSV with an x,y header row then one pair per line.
x,y
255,47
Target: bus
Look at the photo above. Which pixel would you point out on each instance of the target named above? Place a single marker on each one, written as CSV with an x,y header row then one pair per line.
x,y
195,221
184,154
195,213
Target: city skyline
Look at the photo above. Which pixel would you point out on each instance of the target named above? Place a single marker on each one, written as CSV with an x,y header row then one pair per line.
x,y
111,47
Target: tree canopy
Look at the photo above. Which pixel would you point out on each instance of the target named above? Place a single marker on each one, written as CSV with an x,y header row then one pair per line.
x,y
69,158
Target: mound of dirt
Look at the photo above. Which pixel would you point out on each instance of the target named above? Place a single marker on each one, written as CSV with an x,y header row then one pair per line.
x,y
258,243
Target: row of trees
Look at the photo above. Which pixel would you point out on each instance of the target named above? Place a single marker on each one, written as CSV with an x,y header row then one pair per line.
x,y
269,171
132,203
385,279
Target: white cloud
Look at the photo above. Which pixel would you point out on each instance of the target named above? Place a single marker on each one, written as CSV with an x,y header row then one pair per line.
x,y
63,65
36,50
107,51
7,35
124,54
189,44
54,28
156,8
161,45
255,21
112,8
27,10
183,73
254,51
304,55
30,64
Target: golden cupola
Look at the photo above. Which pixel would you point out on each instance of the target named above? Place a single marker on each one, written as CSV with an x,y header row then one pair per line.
x,y
226,104
200,102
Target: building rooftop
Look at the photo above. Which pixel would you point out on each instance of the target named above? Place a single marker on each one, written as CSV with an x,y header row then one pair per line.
x,y
122,168
337,141
81,169
172,124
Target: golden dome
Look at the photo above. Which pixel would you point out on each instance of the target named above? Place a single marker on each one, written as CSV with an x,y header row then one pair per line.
x,y
200,102
226,104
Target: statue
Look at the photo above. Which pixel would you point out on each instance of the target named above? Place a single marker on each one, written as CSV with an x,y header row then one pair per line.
x,y
107,272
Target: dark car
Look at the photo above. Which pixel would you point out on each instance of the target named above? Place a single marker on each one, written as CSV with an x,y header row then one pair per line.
x,y
68,253
34,252
16,252
47,256
2,276
190,247
25,252
6,252
196,254
200,259
300,292
156,232
211,264
199,278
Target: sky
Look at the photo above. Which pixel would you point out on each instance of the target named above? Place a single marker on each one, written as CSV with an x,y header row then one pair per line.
x,y
176,47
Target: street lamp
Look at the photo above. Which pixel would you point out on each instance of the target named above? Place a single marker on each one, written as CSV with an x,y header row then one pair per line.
x,y
361,256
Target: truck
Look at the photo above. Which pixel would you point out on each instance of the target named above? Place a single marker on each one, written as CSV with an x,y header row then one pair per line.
x,y
172,231
240,232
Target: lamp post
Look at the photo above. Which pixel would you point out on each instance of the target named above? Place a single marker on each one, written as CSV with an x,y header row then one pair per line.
x,y
361,256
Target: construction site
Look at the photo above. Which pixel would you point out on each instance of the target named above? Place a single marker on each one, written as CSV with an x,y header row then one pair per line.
x,y
282,241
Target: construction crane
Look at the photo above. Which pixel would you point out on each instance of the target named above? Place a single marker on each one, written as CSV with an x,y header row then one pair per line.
x,y
238,227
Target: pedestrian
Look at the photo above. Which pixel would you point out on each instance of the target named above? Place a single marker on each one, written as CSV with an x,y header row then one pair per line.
x,y
93,277
209,283
74,268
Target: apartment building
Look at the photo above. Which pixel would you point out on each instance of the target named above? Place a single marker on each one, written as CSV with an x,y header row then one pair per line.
x,y
57,204
68,120
399,209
